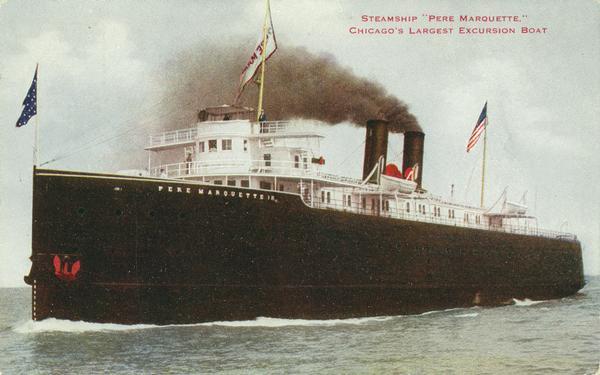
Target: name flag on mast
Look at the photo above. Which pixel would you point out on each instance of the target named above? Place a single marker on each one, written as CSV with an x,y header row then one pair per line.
x,y
29,103
479,128
255,60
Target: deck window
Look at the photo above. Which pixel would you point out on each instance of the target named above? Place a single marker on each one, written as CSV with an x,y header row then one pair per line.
x,y
328,197
364,203
265,185
407,206
212,145
230,182
201,147
267,159
322,196
245,183
296,161
226,144
218,182
245,145
349,200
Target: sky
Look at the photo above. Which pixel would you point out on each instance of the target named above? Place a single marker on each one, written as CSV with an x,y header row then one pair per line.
x,y
102,66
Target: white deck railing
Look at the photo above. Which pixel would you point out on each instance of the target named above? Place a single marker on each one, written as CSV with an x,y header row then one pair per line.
x,y
246,167
173,137
270,127
390,210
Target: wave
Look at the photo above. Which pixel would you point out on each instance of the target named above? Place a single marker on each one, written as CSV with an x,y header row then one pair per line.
x,y
439,311
469,315
525,302
277,322
60,325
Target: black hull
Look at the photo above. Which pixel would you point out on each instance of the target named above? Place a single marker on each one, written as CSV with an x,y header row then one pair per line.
x,y
164,252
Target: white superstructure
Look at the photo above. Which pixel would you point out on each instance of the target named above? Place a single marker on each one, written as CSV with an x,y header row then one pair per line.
x,y
226,148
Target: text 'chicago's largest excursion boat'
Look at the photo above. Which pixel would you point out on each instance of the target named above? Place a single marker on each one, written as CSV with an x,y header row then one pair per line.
x,y
235,218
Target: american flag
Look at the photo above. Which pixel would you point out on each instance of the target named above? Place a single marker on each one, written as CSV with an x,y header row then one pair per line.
x,y
479,128
29,103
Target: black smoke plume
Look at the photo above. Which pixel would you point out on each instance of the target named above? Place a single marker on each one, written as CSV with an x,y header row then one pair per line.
x,y
298,84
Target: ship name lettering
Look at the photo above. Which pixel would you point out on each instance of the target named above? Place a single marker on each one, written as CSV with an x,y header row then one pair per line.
x,y
225,193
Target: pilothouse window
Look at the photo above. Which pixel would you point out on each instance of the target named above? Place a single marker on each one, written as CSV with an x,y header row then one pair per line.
x,y
226,144
212,145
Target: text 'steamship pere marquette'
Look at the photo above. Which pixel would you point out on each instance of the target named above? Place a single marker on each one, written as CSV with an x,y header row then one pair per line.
x,y
466,25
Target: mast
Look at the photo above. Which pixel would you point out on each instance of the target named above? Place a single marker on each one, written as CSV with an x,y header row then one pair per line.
x,y
483,163
263,58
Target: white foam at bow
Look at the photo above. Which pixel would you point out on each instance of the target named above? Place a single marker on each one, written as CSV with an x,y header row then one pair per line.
x,y
59,325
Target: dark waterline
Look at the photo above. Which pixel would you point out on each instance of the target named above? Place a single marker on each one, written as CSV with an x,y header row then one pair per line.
x,y
560,336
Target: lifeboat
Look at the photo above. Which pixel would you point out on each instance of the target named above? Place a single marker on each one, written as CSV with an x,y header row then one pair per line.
x,y
392,181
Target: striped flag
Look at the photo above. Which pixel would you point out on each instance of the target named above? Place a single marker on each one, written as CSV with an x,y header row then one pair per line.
x,y
479,128
255,60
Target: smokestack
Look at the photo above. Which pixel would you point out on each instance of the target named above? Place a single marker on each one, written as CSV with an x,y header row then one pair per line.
x,y
413,153
376,143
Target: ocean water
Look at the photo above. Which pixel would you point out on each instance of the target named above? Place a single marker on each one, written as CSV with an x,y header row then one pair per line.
x,y
529,337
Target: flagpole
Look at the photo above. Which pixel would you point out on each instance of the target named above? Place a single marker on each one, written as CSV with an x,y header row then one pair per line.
x,y
36,131
483,164
262,69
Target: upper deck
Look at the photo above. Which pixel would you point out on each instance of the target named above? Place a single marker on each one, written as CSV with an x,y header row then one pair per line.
x,y
264,130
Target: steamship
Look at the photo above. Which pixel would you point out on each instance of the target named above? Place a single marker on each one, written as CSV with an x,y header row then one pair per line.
x,y
236,219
